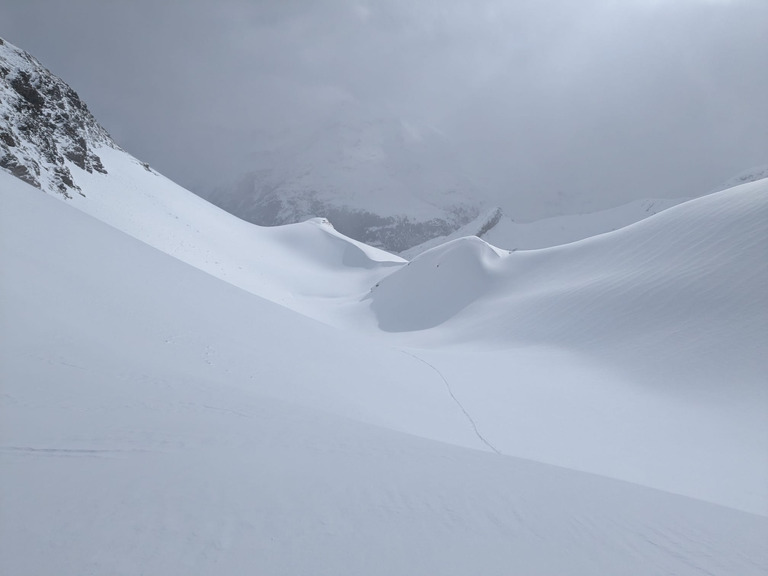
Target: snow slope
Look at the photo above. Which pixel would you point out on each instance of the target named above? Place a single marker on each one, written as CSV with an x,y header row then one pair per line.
x,y
49,139
157,420
553,315
481,411
558,230
638,354
293,265
502,231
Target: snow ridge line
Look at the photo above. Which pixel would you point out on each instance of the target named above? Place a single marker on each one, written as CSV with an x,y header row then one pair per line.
x,y
456,400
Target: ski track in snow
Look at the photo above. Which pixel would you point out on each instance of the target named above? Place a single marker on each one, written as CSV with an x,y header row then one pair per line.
x,y
69,452
467,415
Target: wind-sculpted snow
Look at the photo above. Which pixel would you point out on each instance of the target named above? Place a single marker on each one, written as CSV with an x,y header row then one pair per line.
x,y
435,286
158,420
680,287
699,265
656,331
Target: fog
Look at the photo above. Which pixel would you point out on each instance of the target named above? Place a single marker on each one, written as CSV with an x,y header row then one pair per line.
x,y
551,105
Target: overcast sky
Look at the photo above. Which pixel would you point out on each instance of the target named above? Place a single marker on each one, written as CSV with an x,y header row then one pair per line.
x,y
600,100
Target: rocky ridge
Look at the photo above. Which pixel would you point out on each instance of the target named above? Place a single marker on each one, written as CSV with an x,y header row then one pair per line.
x,y
45,128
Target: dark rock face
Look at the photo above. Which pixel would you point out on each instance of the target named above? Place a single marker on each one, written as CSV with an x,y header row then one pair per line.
x,y
45,129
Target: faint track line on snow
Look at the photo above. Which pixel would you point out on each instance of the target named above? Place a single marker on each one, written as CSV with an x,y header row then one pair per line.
x,y
68,452
456,400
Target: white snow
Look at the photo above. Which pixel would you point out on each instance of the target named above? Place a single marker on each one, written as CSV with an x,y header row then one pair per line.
x,y
638,354
594,408
292,265
503,231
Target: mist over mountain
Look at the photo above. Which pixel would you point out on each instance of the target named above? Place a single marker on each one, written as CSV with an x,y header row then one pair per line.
x,y
555,107
378,178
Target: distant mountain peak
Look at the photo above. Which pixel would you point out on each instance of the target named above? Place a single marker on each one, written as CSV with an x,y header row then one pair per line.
x,y
45,128
385,180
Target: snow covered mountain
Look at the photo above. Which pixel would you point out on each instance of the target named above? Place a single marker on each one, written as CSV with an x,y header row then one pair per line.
x,y
126,193
498,229
155,417
170,403
379,179
45,128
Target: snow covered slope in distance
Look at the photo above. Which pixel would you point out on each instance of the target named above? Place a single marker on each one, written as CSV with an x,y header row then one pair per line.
x,y
293,265
157,420
671,311
557,230
750,175
502,231
50,140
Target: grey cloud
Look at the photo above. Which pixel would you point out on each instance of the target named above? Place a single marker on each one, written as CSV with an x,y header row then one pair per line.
x,y
601,101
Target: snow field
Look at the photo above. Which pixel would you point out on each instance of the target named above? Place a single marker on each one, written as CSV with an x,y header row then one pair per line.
x,y
158,420
472,411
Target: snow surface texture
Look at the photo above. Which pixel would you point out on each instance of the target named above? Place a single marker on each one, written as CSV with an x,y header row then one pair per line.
x,y
158,420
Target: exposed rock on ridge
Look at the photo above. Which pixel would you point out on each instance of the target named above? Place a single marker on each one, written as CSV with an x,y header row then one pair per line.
x,y
45,129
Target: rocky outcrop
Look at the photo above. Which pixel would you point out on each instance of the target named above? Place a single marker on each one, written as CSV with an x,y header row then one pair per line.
x,y
45,129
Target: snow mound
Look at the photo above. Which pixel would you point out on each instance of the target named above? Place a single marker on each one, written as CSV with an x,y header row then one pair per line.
x,y
478,227
684,287
436,285
702,259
